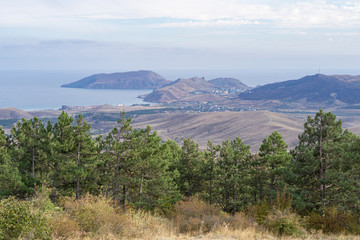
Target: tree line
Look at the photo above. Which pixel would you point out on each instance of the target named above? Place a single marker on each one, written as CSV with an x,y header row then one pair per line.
x,y
136,168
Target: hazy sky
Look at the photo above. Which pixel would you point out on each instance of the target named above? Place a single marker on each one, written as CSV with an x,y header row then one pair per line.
x,y
179,34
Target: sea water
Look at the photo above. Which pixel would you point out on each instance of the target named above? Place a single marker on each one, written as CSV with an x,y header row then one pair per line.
x,y
33,90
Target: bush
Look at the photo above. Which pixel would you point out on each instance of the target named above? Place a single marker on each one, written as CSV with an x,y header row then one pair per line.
x,y
64,227
144,225
282,223
41,199
240,221
96,217
19,219
333,221
277,216
259,212
94,214
195,216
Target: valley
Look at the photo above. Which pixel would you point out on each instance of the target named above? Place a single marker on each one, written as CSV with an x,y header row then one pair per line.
x,y
177,124
215,110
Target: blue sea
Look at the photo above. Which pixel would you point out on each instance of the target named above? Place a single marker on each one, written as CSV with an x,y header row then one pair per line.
x,y
40,89
34,90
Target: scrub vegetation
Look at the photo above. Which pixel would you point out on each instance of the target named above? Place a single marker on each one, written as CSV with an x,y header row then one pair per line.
x,y
57,182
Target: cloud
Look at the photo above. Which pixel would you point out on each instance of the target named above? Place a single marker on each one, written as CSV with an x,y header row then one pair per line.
x,y
202,13
214,23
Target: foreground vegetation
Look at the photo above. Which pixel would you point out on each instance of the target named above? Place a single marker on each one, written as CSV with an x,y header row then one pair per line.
x,y
58,182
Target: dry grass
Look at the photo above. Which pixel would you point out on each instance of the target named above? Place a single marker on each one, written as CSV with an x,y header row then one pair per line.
x,y
97,218
251,127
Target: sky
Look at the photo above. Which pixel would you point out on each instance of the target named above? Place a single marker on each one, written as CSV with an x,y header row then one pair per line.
x,y
179,34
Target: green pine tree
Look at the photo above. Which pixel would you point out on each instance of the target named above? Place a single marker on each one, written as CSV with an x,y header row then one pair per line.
x,y
314,159
10,179
276,159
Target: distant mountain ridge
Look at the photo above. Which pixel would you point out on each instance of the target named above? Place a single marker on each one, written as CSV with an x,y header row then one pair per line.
x,y
125,80
319,88
14,113
228,83
194,90
178,89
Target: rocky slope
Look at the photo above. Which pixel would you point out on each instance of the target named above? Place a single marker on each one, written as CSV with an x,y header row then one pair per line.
x,y
228,83
14,113
325,89
178,90
251,127
195,90
126,80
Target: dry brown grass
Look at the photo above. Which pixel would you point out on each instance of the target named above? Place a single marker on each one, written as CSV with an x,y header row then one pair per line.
x,y
97,218
251,127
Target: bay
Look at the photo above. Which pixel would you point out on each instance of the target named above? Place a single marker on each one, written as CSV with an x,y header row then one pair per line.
x,y
34,90
40,89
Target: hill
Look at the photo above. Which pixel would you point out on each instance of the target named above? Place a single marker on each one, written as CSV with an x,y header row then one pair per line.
x,y
251,127
126,80
179,90
228,83
13,113
328,90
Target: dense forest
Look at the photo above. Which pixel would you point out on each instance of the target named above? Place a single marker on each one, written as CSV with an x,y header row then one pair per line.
x,y
138,171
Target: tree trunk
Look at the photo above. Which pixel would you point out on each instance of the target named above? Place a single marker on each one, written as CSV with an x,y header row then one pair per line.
x,y
140,191
123,199
233,198
211,181
190,192
33,157
226,195
54,193
116,188
77,177
33,162
272,179
321,177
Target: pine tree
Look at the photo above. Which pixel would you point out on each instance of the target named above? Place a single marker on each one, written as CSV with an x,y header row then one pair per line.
x,y
85,155
259,178
314,157
190,165
276,159
116,163
153,185
233,174
211,155
62,151
10,179
343,174
29,140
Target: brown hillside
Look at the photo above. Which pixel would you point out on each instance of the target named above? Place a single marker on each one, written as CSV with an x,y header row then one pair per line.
x,y
208,97
124,80
178,90
251,127
13,113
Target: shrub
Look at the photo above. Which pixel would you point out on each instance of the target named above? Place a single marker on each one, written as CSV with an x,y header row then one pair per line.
x,y
195,216
95,214
96,217
145,225
259,212
64,227
21,219
277,216
41,199
333,221
240,221
282,223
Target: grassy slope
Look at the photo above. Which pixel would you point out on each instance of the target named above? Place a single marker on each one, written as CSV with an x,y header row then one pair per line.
x,y
251,127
